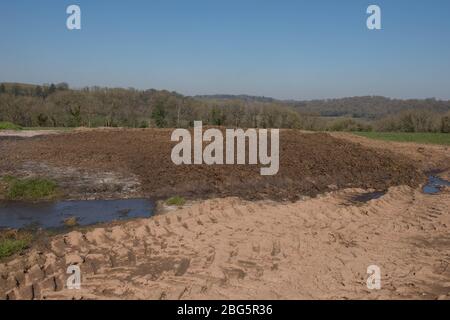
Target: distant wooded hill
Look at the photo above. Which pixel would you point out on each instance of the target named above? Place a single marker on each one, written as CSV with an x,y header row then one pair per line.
x,y
56,105
366,107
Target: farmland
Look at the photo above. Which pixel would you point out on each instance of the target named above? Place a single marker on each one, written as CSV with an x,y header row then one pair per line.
x,y
419,137
227,232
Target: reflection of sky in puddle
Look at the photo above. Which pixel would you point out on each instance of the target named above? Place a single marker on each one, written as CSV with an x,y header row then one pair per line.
x,y
434,184
365,197
53,214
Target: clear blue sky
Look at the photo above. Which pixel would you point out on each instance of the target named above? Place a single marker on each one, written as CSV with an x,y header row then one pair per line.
x,y
279,48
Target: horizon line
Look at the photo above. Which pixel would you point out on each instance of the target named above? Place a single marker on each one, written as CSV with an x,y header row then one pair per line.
x,y
199,95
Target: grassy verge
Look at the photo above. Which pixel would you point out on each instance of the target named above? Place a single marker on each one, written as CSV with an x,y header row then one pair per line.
x,y
29,188
12,242
431,138
175,201
9,126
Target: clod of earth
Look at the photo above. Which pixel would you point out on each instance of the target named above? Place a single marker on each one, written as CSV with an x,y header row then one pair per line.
x,y
71,222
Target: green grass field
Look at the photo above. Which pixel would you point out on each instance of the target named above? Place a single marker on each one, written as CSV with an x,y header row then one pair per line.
x,y
432,138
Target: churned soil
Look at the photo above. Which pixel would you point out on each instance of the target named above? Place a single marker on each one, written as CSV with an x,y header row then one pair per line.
x,y
310,163
231,248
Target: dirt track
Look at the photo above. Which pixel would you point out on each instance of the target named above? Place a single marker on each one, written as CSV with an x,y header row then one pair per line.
x,y
231,248
309,164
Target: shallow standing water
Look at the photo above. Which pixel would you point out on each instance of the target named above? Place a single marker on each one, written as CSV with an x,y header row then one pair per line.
x,y
49,215
434,184
366,197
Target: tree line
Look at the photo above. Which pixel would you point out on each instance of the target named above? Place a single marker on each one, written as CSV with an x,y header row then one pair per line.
x,y
57,105
369,107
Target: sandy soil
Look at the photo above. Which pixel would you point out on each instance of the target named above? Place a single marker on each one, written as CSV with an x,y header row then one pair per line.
x,y
234,249
231,248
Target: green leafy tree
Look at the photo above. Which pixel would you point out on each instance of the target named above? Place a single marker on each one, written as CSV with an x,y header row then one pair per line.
x,y
75,113
143,124
42,120
217,117
159,115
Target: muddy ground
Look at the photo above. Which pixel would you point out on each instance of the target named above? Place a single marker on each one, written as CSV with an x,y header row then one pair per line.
x,y
428,157
246,247
131,163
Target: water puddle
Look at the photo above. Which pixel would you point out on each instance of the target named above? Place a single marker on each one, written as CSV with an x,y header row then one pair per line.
x,y
49,215
434,185
365,197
